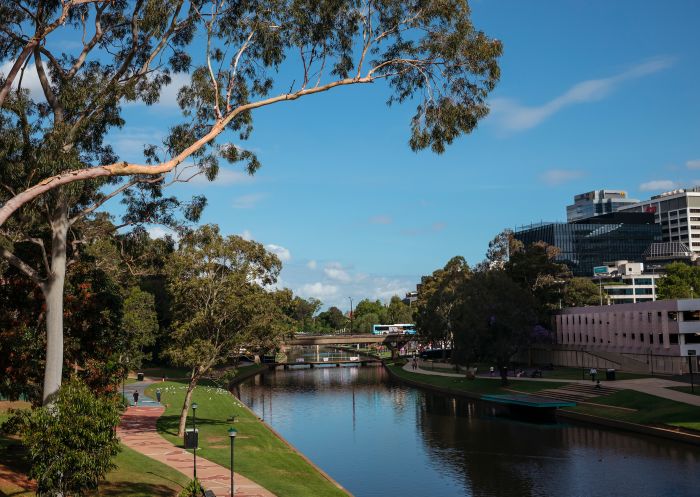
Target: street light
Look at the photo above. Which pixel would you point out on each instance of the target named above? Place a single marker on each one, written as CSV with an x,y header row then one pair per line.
x,y
196,437
232,435
350,315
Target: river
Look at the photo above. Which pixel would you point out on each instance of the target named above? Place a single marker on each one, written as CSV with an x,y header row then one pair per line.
x,y
378,438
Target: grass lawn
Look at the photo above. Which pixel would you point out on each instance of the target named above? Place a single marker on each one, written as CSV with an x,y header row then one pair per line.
x,y
140,476
688,390
259,454
476,386
575,374
650,410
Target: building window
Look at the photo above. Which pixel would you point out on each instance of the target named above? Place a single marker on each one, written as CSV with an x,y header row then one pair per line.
x,y
672,316
673,339
691,315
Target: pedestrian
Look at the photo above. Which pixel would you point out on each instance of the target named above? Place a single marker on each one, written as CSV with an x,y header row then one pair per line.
x,y
415,363
593,373
136,397
492,370
158,394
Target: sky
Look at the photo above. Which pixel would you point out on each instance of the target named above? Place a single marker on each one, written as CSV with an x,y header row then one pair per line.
x,y
593,95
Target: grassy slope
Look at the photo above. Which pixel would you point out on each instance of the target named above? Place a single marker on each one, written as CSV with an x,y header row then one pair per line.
x,y
259,454
478,386
650,410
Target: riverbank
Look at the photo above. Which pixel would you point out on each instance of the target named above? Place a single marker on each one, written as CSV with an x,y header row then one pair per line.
x,y
626,409
260,454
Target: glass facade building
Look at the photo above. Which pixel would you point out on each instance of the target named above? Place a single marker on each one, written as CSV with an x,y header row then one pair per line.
x,y
593,242
597,202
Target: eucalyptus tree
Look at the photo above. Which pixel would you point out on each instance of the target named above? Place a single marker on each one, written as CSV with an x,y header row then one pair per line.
x,y
439,296
219,305
56,165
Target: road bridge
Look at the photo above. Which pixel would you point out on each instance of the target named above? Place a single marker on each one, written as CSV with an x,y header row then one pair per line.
x,y
347,339
393,341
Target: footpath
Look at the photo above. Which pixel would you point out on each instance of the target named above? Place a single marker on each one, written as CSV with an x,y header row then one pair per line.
x,y
652,386
138,431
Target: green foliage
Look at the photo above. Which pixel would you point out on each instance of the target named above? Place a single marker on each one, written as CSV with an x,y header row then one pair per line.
x,y
71,443
218,303
193,489
331,320
681,282
496,317
439,296
581,292
139,326
535,269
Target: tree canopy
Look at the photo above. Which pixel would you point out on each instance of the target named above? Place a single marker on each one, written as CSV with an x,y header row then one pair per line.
x,y
57,167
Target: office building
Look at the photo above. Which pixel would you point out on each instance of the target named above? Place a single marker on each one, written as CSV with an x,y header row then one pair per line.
x,y
593,241
597,202
662,332
678,214
626,282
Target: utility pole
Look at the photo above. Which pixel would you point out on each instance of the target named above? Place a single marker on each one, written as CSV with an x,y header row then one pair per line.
x,y
350,314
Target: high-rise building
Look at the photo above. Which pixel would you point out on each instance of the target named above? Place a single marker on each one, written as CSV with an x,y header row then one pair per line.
x,y
678,214
594,241
597,202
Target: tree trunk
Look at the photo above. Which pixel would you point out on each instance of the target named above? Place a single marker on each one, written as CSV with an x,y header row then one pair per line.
x,y
53,293
186,405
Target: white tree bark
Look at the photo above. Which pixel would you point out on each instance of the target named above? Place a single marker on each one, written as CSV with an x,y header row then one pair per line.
x,y
53,293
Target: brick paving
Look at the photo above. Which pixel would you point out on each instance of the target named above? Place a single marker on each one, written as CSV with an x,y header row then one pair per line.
x,y
138,431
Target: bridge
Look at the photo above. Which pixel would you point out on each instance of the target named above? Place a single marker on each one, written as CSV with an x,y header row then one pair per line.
x,y
347,339
359,360
393,341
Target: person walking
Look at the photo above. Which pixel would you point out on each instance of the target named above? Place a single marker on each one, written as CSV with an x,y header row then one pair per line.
x,y
593,373
136,397
158,392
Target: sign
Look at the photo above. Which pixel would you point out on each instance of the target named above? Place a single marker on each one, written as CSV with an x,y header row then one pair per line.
x,y
600,270
691,352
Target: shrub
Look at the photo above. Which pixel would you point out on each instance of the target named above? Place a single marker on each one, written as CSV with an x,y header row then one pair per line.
x,y
70,442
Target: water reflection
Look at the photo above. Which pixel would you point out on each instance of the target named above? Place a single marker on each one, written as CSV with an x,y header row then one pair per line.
x,y
381,439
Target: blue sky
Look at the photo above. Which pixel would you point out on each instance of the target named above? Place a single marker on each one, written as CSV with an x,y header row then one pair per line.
x,y
593,95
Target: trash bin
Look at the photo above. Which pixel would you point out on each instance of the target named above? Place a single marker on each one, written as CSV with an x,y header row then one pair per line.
x,y
610,374
139,376
191,438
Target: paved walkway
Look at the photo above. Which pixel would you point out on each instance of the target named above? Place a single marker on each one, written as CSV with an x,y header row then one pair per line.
x,y
652,386
138,431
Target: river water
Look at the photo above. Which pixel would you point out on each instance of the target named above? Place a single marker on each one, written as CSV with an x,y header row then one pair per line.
x,y
377,438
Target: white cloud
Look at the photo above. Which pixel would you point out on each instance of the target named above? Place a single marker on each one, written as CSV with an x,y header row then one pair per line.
x,y
312,264
283,253
693,164
380,219
157,231
30,80
659,184
248,201
335,271
318,290
512,116
554,177
246,235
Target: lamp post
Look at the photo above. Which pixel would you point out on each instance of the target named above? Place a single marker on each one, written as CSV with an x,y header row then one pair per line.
x,y
232,435
196,438
350,314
